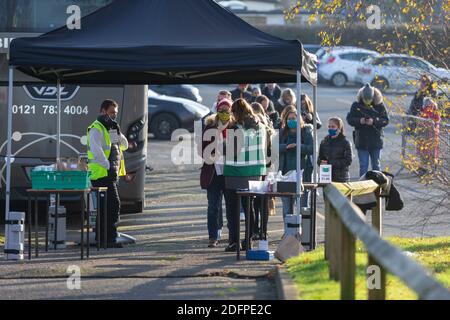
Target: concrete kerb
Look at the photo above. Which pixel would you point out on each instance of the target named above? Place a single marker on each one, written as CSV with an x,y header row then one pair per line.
x,y
286,288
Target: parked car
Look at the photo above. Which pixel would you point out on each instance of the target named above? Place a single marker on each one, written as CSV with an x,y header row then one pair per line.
x,y
312,48
320,53
186,91
234,5
167,114
398,71
339,65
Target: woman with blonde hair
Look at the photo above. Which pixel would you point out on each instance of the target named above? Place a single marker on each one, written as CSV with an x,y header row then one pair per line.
x,y
245,160
288,151
336,151
285,111
287,98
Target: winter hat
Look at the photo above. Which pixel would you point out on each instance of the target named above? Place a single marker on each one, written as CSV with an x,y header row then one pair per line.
x,y
368,93
224,104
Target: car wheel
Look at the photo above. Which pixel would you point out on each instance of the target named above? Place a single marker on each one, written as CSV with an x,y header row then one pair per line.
x,y
381,84
163,126
339,79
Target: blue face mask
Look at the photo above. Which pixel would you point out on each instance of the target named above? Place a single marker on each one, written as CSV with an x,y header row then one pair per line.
x,y
292,124
332,132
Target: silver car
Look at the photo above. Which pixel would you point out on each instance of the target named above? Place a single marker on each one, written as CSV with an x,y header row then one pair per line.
x,y
398,71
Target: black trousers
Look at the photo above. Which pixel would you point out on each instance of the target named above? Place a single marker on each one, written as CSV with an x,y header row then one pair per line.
x,y
260,205
233,208
113,206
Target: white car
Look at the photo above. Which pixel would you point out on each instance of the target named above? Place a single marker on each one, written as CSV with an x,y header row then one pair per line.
x,y
398,71
234,5
340,64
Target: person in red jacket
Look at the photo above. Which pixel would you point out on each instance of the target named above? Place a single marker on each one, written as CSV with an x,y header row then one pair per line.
x,y
211,177
428,135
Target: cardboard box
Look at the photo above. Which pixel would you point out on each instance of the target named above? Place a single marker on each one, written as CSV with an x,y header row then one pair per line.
x,y
288,247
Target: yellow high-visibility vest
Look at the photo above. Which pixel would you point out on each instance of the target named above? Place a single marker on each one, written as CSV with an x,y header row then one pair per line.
x,y
97,170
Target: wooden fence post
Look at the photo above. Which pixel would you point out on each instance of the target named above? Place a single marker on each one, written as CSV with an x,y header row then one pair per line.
x,y
327,230
377,214
347,264
377,223
377,293
334,244
338,238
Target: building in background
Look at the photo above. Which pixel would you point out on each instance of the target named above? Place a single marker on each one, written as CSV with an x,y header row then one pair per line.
x,y
264,12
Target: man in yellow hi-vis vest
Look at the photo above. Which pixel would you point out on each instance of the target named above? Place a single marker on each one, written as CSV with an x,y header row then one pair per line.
x,y
106,144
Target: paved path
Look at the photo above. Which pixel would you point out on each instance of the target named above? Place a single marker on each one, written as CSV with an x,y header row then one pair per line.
x,y
170,261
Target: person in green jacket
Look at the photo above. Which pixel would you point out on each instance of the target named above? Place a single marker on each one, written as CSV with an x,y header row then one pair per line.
x,y
288,151
245,160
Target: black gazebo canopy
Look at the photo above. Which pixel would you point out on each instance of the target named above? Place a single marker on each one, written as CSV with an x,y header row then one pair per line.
x,y
159,42
164,42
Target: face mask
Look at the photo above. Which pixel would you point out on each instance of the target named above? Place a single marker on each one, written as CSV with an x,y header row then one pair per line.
x,y
224,116
367,102
105,118
108,119
292,124
333,132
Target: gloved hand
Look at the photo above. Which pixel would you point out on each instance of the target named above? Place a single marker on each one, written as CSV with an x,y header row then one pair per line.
x,y
112,174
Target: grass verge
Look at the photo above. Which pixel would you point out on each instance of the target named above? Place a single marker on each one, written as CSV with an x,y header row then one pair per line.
x,y
310,270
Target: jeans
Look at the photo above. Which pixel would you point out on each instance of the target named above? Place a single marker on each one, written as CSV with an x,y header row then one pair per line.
x,y
286,201
364,156
113,206
215,216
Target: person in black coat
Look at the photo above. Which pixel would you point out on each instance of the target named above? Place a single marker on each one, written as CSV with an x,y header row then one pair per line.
x,y
336,151
241,92
272,91
368,116
426,90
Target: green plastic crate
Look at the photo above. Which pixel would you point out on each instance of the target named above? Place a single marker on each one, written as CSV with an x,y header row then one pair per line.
x,y
60,180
